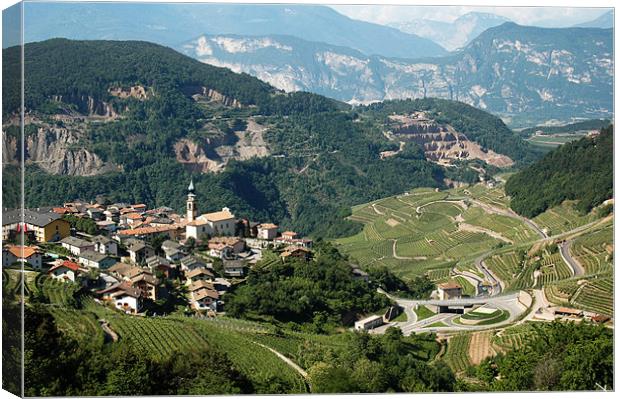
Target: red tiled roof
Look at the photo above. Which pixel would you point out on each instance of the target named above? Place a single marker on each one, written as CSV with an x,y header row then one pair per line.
x,y
450,285
19,251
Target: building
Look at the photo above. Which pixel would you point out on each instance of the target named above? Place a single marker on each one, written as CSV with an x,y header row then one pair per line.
x,y
76,245
171,231
96,260
267,231
139,251
200,274
296,253
39,225
570,312
157,263
65,271
212,224
147,284
234,268
16,253
124,297
449,290
189,263
204,299
369,323
173,250
192,211
225,247
105,245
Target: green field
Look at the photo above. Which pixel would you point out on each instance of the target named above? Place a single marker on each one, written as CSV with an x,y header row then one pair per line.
x,y
422,312
594,250
554,140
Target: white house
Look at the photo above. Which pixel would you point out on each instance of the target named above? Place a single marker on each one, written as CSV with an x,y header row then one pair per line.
x,y
105,245
65,271
216,223
205,299
124,297
76,245
267,231
96,260
18,253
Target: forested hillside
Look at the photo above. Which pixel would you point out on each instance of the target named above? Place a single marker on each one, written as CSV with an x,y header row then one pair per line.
x,y
581,170
125,106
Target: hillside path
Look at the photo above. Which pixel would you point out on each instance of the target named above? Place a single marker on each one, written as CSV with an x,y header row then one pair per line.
x,y
286,360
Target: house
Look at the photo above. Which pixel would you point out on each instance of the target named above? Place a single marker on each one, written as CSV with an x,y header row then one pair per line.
x,y
221,285
234,268
112,214
131,219
225,247
40,225
147,284
120,270
18,253
290,238
139,251
267,231
205,299
76,245
173,250
65,271
106,225
199,274
96,260
139,208
296,253
198,285
449,290
289,235
157,263
369,323
105,245
190,263
139,231
216,223
95,213
124,296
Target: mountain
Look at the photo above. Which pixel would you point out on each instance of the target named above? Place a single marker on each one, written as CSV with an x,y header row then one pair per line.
x,y
525,74
581,170
148,118
171,24
605,21
452,35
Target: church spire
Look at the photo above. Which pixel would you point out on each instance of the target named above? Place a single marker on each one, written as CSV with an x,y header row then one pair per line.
x,y
191,186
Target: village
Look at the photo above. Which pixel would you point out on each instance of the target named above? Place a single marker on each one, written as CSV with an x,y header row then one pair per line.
x,y
139,255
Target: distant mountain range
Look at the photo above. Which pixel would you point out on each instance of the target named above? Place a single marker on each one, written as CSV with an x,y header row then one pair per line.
x,y
452,35
525,74
604,21
172,24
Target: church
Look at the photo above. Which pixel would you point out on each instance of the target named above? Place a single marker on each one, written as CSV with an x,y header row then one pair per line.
x,y
220,223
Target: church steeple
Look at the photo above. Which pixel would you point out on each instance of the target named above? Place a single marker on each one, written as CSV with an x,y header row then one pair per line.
x,y
191,202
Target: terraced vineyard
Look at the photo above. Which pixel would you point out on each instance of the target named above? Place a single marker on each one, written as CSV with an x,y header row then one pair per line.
x,y
506,266
553,268
562,218
58,292
80,325
457,354
427,230
594,250
512,337
596,295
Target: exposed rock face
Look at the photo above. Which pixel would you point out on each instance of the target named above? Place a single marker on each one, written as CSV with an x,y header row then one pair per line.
x,y
516,71
87,105
214,153
138,92
56,151
441,143
205,94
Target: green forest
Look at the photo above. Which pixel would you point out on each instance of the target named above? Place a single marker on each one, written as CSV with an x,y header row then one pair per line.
x,y
581,170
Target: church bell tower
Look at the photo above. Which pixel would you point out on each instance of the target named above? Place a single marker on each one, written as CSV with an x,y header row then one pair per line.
x,y
191,203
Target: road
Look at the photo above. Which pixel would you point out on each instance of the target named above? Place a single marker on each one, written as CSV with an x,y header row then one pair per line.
x,y
509,213
569,260
508,303
496,284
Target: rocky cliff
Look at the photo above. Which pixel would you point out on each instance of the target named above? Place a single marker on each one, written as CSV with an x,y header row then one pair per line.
x,y
525,74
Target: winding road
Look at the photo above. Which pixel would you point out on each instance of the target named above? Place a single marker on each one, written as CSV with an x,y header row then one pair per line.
x,y
569,260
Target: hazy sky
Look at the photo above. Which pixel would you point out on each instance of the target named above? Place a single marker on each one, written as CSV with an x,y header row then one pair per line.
x,y
541,16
